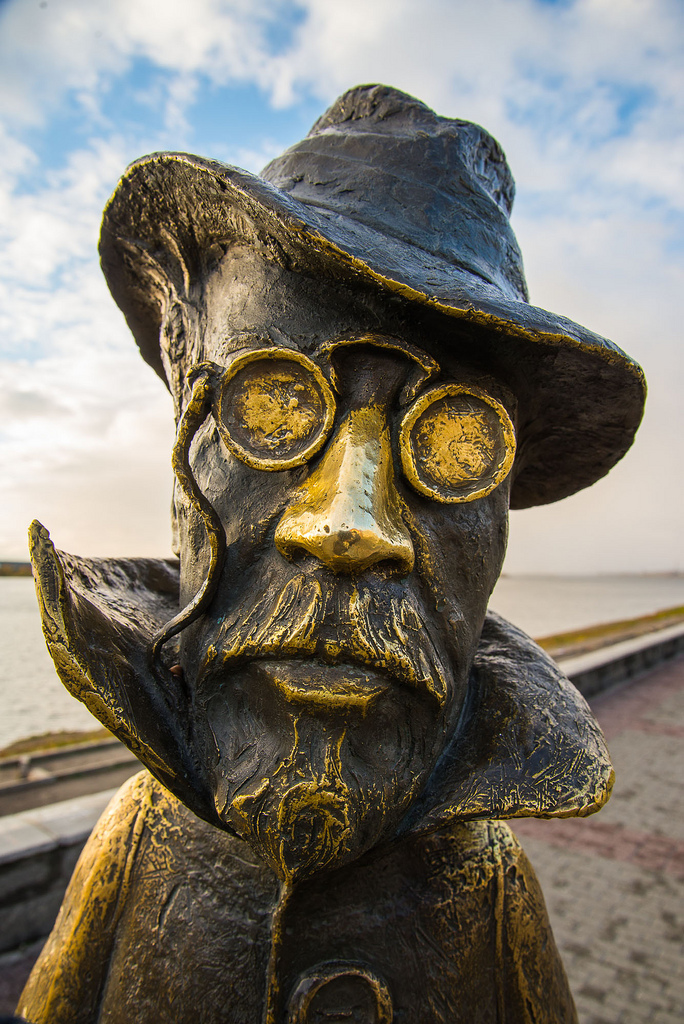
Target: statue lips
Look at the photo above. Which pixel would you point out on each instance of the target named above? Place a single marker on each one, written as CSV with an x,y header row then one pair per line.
x,y
332,640
324,687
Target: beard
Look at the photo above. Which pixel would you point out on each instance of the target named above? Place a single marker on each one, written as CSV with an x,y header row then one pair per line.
x,y
321,706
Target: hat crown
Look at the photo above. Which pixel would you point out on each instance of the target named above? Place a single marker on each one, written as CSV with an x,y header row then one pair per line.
x,y
382,159
372,106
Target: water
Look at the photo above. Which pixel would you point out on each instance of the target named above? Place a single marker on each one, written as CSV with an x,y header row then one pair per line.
x,y
33,701
543,605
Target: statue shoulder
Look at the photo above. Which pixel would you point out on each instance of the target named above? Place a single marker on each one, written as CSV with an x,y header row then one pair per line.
x,y
481,874
65,983
472,853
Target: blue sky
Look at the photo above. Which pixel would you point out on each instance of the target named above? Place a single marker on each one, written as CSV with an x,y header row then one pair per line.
x,y
586,96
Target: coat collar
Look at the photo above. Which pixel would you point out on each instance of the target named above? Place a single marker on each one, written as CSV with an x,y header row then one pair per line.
x,y
527,743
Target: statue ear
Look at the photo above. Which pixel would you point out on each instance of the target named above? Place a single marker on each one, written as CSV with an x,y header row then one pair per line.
x,y
159,285
99,617
179,343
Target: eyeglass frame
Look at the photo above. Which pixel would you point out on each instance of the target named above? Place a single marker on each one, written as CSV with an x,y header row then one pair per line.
x,y
221,377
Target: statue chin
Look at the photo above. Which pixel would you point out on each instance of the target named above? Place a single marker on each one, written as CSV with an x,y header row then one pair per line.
x,y
314,764
299,828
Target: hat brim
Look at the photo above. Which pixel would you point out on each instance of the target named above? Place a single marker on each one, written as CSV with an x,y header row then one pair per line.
x,y
580,397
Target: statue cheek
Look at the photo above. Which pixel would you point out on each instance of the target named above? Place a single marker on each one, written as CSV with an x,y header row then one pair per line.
x,y
247,500
461,547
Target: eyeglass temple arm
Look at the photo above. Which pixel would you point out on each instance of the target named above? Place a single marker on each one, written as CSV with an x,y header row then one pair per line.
x,y
196,412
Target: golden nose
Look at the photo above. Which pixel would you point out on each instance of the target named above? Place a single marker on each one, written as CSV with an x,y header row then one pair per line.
x,y
348,513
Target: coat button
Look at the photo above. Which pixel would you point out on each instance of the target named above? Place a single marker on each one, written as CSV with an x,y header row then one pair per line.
x,y
340,992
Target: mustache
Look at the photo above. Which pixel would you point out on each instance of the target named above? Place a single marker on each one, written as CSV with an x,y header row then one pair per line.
x,y
367,626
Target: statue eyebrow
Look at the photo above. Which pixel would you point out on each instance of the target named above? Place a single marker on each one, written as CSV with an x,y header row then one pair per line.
x,y
424,367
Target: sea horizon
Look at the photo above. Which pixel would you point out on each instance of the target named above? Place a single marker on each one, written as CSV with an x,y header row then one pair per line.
x,y
33,700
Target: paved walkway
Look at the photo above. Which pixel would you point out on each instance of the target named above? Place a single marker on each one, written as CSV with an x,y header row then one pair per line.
x,y
614,883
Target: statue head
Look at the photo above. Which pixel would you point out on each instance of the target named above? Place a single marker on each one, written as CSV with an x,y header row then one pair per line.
x,y
361,391
362,484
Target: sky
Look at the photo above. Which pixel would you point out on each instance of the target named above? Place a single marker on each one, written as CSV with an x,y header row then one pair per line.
x,y
585,96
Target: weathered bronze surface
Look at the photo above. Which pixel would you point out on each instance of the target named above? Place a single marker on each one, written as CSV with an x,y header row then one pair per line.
x,y
333,723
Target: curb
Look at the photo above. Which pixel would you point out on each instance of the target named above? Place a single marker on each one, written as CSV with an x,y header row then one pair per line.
x,y
600,670
38,853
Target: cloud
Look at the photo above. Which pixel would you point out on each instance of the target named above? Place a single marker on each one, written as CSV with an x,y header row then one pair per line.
x,y
88,452
586,96
86,429
83,46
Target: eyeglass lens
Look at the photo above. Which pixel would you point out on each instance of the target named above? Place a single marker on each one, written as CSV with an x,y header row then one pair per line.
x,y
275,410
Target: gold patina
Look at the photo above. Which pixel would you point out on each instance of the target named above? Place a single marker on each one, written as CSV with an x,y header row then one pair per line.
x,y
275,409
457,443
329,687
348,513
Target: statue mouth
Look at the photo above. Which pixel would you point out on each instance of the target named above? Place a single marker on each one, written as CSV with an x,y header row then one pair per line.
x,y
322,686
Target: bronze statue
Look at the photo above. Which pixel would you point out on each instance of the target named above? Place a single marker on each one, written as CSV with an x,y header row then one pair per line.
x,y
333,724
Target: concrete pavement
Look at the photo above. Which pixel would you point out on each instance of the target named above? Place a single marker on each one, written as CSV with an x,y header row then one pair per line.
x,y
614,882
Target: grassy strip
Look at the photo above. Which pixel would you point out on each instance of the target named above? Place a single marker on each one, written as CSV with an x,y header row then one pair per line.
x,y
591,638
52,741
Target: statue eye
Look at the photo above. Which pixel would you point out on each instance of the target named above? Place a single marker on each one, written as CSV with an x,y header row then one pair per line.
x,y
457,443
275,408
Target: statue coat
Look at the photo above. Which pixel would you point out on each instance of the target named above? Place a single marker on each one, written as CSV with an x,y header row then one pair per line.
x,y
169,920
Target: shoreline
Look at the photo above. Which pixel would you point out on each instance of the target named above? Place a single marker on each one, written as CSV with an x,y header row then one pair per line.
x,y
14,569
569,644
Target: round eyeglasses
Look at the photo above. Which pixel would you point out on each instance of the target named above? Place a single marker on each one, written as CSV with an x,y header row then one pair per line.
x,y
275,410
457,443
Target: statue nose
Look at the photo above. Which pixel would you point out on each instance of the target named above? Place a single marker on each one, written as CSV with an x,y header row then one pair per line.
x,y
348,513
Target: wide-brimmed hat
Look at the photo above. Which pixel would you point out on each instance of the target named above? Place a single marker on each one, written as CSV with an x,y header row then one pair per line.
x,y
385,193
